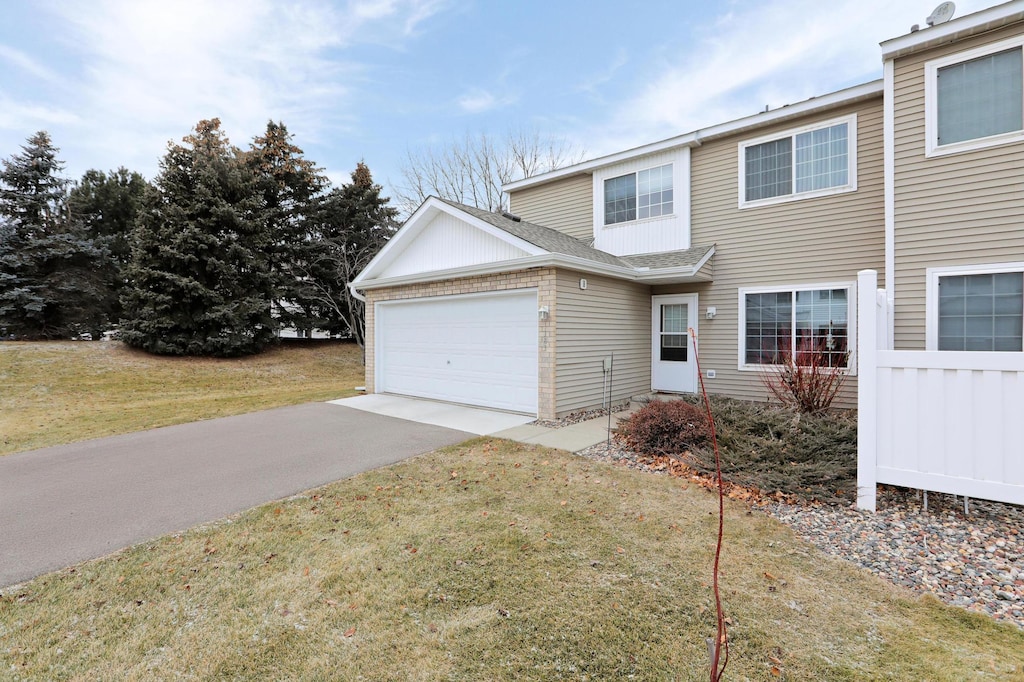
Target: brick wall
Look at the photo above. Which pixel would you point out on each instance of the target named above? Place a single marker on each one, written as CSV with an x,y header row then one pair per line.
x,y
542,279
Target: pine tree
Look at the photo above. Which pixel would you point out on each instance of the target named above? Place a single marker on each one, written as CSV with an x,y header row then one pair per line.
x,y
353,223
105,206
49,287
289,187
200,278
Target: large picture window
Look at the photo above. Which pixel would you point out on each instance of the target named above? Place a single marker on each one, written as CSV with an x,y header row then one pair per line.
x,y
637,196
806,162
796,324
975,99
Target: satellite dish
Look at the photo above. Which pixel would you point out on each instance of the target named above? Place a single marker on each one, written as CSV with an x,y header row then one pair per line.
x,y
941,14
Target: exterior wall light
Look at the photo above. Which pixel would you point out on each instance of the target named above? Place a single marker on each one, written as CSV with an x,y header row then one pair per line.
x,y
542,313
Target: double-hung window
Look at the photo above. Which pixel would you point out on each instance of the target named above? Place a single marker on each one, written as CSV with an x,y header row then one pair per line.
x,y
975,99
812,161
976,308
637,196
808,324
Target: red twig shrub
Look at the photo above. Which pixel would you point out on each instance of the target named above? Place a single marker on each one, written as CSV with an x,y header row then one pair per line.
x,y
666,427
805,381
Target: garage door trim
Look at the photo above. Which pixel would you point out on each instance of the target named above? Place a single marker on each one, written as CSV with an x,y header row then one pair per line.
x,y
531,375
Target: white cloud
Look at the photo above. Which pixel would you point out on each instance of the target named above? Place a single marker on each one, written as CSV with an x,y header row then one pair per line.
x,y
20,117
761,54
150,70
479,101
27,64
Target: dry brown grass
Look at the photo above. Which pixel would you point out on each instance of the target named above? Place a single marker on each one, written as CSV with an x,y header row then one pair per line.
x,y
61,392
489,560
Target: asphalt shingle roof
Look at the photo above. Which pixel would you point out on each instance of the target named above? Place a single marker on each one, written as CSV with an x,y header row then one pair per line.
x,y
558,242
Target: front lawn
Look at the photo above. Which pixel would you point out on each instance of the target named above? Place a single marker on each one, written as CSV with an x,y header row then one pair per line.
x,y
61,392
490,560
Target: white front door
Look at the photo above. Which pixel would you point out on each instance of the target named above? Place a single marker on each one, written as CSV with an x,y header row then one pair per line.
x,y
673,367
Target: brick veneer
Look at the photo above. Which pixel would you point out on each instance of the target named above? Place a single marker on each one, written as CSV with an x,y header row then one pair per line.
x,y
543,279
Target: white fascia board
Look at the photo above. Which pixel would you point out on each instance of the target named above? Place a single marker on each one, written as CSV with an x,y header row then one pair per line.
x,y
697,137
420,219
546,260
688,140
956,29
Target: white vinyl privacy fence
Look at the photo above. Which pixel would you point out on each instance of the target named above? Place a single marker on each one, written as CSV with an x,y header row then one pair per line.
x,y
945,421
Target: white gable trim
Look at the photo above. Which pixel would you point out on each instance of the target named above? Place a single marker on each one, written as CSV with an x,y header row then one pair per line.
x,y
420,220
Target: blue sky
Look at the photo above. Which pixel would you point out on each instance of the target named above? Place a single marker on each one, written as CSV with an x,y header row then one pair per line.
x,y
114,80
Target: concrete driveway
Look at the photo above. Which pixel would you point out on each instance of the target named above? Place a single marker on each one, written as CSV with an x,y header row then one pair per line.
x,y
66,504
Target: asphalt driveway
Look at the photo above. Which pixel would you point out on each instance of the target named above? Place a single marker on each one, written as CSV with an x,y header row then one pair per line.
x,y
66,504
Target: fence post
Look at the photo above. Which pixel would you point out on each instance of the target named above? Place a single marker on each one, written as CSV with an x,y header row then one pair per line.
x,y
867,388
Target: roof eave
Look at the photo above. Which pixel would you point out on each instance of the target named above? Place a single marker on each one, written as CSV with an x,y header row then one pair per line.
x,y
957,29
646,276
832,100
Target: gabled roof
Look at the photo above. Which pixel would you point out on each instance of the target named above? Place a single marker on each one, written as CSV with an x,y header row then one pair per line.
x,y
509,244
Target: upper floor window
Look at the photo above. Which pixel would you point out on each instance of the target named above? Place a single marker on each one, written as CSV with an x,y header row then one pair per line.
x,y
976,308
644,194
812,161
975,99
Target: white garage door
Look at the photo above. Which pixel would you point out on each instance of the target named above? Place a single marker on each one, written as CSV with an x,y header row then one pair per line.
x,y
475,349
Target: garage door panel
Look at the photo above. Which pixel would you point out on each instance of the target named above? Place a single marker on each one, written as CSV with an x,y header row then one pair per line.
x,y
479,350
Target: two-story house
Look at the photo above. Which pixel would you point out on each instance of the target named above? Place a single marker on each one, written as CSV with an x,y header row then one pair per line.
x,y
750,232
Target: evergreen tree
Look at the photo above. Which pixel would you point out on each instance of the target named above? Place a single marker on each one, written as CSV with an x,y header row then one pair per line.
x,y
289,187
200,278
106,207
49,284
352,224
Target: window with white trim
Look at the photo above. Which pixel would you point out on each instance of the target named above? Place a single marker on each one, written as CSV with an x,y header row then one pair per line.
x,y
981,311
637,196
806,162
975,99
808,324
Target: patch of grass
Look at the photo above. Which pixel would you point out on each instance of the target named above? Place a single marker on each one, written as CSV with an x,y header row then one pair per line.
x,y
61,392
777,449
489,560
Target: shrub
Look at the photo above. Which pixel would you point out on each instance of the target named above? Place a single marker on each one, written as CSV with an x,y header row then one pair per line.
x,y
809,380
778,449
769,447
665,427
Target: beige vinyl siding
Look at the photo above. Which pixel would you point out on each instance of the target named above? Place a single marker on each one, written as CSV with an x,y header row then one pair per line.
x,y
822,240
609,316
959,209
564,205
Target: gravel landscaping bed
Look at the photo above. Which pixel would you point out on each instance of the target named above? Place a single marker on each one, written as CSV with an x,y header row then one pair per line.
x,y
974,561
581,416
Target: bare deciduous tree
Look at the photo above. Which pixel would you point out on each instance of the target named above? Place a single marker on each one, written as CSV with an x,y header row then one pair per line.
x,y
471,170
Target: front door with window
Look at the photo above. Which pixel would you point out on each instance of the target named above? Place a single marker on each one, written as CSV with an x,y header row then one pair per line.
x,y
673,367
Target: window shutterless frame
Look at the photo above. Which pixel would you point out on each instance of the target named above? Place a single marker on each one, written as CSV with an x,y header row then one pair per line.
x,y
932,69
774,147
793,323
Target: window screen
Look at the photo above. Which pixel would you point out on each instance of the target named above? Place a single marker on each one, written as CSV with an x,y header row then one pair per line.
x,y
980,97
769,169
620,199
